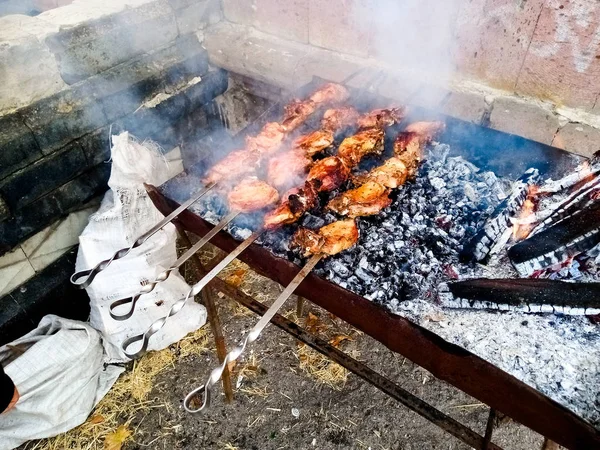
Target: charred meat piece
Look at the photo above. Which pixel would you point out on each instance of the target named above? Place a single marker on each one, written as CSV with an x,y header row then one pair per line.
x,y
252,194
288,169
366,200
338,118
391,174
305,199
356,147
315,142
329,240
330,93
282,215
427,130
236,164
328,174
381,118
410,144
268,140
296,113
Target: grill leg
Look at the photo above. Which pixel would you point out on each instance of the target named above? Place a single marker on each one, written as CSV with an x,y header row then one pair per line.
x,y
299,306
489,429
549,445
208,300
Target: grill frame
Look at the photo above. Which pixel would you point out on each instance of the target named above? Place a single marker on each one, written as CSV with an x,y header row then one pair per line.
x,y
507,155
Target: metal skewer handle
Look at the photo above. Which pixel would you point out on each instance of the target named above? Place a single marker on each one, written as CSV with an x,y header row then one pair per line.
x,y
179,304
84,278
234,354
132,301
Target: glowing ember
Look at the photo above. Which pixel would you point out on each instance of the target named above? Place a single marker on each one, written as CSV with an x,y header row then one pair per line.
x,y
523,225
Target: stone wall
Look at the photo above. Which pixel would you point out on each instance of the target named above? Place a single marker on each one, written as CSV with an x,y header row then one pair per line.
x,y
526,67
72,75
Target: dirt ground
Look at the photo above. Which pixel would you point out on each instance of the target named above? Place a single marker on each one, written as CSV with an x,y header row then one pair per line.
x,y
287,397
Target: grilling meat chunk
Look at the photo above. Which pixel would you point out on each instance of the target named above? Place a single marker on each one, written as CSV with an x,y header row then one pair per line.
x,y
427,130
328,174
288,168
268,140
366,200
338,118
330,93
252,194
315,142
328,240
381,118
365,142
282,215
391,174
410,145
296,113
235,165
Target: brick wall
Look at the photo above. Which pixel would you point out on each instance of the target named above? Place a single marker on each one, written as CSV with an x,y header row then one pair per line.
x,y
525,67
71,75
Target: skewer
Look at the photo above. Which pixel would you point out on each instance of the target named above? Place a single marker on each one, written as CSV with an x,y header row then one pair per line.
x,y
179,304
84,278
254,333
132,301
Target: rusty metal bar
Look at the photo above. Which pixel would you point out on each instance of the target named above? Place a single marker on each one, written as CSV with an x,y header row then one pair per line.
x,y
489,430
448,362
208,300
299,306
382,383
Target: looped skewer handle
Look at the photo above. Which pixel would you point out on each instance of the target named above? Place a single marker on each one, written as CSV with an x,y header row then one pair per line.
x,y
132,301
84,278
178,305
234,354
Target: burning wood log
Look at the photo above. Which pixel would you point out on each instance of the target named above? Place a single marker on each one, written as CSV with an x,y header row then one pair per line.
x,y
585,172
525,295
565,239
479,247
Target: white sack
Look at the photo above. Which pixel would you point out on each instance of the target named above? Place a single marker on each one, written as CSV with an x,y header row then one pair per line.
x,y
60,377
125,213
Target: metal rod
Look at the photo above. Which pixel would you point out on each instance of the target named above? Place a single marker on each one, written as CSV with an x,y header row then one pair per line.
x,y
84,278
372,377
489,430
234,354
299,306
209,301
146,289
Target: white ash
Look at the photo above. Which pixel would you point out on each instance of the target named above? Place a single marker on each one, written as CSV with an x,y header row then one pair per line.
x,y
557,355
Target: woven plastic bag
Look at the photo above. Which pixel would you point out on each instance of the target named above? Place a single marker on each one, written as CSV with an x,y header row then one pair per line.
x,y
125,213
59,371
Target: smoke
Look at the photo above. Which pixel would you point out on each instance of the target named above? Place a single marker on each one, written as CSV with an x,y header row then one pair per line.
x,y
414,39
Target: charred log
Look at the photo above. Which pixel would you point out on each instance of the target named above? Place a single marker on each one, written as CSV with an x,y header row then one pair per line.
x,y
525,295
556,244
479,247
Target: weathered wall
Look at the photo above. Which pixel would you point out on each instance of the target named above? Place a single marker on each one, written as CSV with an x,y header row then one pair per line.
x,y
530,67
71,75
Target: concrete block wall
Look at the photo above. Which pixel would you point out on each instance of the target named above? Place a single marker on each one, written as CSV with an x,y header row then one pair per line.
x,y
71,75
525,67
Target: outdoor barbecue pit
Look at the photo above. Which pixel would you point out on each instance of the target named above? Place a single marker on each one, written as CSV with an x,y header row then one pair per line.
x,y
409,253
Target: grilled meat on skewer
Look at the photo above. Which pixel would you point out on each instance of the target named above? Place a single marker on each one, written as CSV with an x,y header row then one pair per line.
x,y
365,142
380,118
391,174
328,240
365,200
338,118
330,93
296,113
287,168
410,144
269,140
328,174
314,143
252,194
236,164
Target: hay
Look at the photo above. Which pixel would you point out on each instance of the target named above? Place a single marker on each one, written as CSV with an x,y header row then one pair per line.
x,y
109,423
321,368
